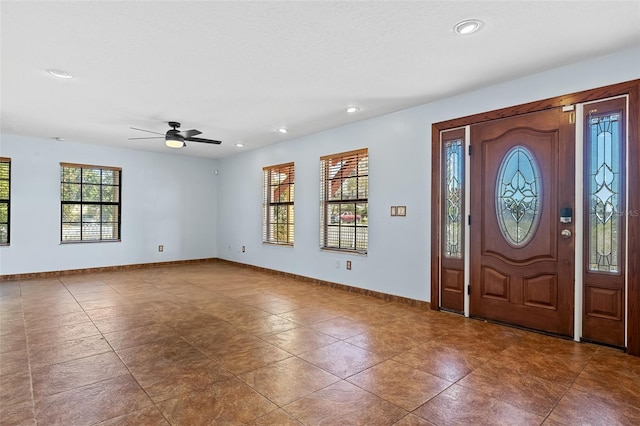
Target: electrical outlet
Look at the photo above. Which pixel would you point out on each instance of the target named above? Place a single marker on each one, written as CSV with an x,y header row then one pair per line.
x,y
160,248
243,249
348,265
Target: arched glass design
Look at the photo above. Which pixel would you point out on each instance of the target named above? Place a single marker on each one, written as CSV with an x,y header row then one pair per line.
x,y
518,196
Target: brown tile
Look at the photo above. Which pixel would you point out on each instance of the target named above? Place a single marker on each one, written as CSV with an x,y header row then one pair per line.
x,y
577,407
92,403
570,351
374,316
138,336
22,414
114,311
278,306
61,334
301,339
400,384
90,305
481,348
55,378
14,362
57,352
10,309
9,289
382,342
82,294
341,404
460,406
167,351
341,359
11,326
412,420
198,301
440,361
239,362
124,322
616,387
173,380
57,320
265,326
226,402
340,327
150,416
309,315
229,343
288,380
13,342
556,369
277,417
517,388
15,389
45,307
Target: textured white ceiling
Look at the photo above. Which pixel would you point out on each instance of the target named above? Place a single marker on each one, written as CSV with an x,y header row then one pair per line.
x,y
237,70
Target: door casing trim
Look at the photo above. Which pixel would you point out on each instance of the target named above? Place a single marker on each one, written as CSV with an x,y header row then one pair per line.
x,y
630,88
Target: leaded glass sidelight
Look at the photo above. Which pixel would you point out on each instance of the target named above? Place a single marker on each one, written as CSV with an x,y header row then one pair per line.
x,y
518,196
604,136
453,199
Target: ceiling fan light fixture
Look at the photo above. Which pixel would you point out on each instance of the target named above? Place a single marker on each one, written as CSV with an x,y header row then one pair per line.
x,y
174,143
59,73
468,26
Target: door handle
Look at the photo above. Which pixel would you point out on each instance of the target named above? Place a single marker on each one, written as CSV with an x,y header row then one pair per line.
x,y
566,233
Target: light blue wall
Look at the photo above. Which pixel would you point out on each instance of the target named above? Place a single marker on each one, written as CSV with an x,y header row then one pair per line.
x,y
179,201
166,199
400,174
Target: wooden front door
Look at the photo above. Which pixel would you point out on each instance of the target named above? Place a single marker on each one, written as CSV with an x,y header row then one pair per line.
x,y
521,254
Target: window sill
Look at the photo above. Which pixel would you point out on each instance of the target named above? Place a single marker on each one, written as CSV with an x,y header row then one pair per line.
x,y
90,241
346,251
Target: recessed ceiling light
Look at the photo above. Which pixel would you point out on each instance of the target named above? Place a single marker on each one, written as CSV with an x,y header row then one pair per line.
x,y
467,27
352,109
283,130
239,144
59,73
58,138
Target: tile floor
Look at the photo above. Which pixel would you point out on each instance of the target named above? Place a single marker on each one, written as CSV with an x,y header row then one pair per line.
x,y
218,344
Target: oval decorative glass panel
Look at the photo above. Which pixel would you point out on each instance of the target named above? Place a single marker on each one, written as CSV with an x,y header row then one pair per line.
x,y
518,196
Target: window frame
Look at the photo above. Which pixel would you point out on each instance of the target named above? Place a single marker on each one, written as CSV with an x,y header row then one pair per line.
x,y
7,201
331,181
82,203
270,227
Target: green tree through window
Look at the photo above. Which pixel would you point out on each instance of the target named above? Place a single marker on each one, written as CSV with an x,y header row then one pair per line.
x,y
90,203
5,200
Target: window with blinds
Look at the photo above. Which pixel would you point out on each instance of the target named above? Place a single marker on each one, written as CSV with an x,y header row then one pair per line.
x,y
278,205
5,200
344,201
89,203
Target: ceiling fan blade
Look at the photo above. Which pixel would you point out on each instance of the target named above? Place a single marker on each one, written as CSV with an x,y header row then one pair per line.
x,y
191,133
203,140
154,137
143,130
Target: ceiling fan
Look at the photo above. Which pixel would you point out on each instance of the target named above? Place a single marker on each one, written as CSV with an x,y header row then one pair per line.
x,y
176,139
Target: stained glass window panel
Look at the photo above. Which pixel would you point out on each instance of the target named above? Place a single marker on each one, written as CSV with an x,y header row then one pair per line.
x,y
604,151
453,180
518,196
